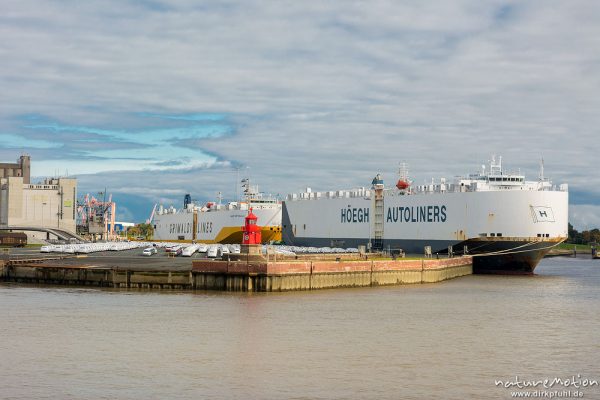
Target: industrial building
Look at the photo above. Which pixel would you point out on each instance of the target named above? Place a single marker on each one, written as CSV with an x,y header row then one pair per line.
x,y
50,204
21,168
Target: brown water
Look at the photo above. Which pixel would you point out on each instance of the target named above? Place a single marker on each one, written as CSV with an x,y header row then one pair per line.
x,y
447,340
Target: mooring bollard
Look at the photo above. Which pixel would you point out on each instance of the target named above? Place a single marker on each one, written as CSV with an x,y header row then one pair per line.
x,y
427,251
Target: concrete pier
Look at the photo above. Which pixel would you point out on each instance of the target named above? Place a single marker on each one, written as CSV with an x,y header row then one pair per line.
x,y
93,276
244,276
311,275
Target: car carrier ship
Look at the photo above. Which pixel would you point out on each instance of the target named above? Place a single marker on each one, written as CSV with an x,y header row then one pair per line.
x,y
215,222
507,223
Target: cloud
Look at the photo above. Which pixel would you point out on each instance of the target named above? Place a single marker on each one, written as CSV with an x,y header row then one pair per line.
x,y
588,196
13,141
138,191
88,149
186,117
584,217
172,163
306,94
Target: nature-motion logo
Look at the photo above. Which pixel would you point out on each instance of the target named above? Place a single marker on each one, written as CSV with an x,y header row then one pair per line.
x,y
556,387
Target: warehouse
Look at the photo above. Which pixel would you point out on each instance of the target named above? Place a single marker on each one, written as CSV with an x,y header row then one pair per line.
x,y
48,204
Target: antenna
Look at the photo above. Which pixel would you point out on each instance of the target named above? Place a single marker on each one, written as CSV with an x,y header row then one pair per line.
x,y
237,183
403,171
542,169
496,167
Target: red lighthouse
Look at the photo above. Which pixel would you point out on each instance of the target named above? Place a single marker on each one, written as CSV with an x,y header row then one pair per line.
x,y
252,233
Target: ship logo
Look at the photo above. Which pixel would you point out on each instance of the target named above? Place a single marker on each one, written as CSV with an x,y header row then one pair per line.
x,y
542,214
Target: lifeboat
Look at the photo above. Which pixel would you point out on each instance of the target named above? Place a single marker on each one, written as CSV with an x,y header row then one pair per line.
x,y
402,185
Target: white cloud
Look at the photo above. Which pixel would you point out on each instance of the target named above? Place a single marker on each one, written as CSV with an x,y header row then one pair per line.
x,y
584,216
322,94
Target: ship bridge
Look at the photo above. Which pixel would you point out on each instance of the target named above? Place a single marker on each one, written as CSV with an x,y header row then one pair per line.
x,y
494,179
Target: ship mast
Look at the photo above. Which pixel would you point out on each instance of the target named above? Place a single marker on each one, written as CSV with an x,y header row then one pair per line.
x,y
377,185
496,167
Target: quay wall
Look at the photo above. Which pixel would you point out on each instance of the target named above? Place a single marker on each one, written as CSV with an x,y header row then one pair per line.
x,y
100,277
311,275
251,276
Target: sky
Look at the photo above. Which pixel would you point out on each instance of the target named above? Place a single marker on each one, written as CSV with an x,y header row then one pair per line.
x,y
150,99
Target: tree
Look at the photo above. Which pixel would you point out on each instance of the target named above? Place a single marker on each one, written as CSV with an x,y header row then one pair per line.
x,y
141,230
584,237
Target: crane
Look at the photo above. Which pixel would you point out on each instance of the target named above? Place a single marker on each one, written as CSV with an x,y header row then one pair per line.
x,y
149,220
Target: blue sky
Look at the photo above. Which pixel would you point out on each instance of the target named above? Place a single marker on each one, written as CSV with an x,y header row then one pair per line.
x,y
163,145
155,99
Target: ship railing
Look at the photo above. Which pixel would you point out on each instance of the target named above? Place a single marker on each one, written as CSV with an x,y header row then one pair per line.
x,y
428,189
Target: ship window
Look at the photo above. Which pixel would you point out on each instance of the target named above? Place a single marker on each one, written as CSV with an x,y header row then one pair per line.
x,y
284,226
483,234
498,234
492,234
547,235
539,235
304,226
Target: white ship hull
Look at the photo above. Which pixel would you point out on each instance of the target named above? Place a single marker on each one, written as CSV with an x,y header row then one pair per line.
x,y
522,223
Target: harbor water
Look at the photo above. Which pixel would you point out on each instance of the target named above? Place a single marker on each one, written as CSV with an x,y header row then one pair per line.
x,y
446,340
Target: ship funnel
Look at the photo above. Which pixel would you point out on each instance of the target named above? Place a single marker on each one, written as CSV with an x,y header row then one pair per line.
x,y
377,181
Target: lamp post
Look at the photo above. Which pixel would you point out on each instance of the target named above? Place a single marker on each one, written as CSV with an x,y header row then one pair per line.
x,y
43,212
105,230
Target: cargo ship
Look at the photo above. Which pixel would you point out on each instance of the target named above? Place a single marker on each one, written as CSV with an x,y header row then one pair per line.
x,y
215,222
507,223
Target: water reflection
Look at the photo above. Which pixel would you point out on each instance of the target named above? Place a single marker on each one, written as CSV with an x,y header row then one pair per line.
x,y
448,340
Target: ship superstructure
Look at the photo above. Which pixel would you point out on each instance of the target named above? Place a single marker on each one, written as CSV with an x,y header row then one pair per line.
x,y
505,221
218,222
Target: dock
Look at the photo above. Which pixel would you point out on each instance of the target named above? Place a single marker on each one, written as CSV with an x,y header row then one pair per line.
x,y
237,276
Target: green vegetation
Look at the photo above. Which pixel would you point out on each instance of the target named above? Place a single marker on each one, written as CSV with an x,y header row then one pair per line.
x,y
143,231
571,246
585,237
